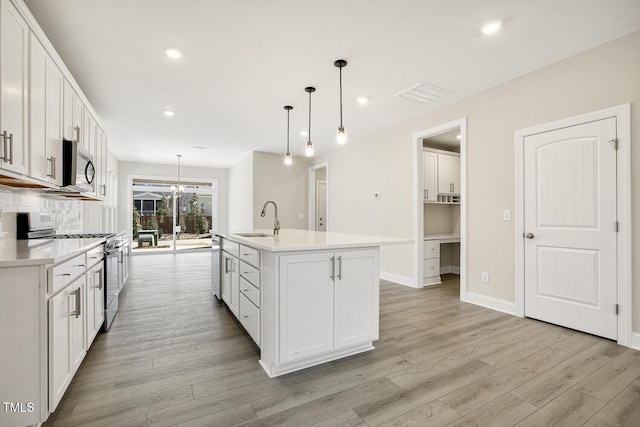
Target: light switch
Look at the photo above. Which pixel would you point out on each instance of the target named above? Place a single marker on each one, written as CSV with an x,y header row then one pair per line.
x,y
506,215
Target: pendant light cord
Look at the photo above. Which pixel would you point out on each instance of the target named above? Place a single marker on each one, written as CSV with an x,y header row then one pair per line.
x,y
288,111
309,134
340,96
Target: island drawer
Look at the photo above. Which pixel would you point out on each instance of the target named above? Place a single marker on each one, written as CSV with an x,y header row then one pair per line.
x,y
250,255
61,275
250,291
230,247
250,273
250,318
431,249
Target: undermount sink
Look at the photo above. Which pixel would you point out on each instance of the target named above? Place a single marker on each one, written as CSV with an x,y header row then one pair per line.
x,y
253,234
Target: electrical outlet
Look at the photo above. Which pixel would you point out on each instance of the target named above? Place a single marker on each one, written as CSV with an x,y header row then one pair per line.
x,y
485,277
506,215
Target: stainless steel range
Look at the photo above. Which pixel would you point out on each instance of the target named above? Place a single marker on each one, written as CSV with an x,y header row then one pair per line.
x,y
43,226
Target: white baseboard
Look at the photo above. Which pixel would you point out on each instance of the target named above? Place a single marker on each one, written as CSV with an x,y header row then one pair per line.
x,y
455,269
490,302
635,340
396,278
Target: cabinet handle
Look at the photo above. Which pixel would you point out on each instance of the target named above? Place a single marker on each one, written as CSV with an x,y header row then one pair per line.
x,y
53,167
333,268
77,129
77,311
245,290
226,266
245,317
104,189
81,265
99,279
339,268
11,148
427,193
65,274
4,146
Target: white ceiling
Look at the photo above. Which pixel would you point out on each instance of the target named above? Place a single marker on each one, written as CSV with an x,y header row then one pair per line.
x,y
243,60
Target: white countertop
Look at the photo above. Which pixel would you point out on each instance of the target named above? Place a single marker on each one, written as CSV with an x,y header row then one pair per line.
x,y
446,238
306,240
18,253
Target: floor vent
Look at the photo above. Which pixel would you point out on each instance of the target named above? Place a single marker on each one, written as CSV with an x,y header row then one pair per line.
x,y
423,93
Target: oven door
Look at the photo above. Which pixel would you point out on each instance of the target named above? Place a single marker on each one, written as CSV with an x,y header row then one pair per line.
x,y
111,288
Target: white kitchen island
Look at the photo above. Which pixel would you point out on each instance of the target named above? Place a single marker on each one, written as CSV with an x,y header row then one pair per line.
x,y
305,297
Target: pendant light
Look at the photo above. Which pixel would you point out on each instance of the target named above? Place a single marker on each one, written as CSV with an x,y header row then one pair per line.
x,y
341,135
287,157
309,148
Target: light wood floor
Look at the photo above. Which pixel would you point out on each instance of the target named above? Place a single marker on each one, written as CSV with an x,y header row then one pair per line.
x,y
174,356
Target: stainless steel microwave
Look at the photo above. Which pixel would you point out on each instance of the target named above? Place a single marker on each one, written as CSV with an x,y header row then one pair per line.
x,y
78,171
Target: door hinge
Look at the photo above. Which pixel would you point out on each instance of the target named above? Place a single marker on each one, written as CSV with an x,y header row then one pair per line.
x,y
617,226
617,308
615,143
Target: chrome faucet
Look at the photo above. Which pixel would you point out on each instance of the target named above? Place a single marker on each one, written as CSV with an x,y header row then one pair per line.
x,y
276,223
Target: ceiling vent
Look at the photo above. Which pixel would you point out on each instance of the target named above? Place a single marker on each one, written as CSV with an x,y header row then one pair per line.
x,y
423,93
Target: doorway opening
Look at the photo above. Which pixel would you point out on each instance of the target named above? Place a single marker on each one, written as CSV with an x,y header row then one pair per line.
x,y
440,204
318,197
171,217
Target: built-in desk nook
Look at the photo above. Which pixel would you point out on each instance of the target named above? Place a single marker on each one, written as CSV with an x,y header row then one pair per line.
x,y
441,256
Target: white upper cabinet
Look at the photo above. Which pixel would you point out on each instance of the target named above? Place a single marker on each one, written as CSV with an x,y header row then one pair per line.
x,y
14,63
40,105
448,174
430,162
441,176
45,115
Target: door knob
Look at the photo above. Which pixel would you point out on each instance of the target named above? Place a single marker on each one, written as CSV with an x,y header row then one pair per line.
x,y
529,235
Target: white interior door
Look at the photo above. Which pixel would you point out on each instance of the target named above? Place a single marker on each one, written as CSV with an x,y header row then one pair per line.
x,y
570,227
321,206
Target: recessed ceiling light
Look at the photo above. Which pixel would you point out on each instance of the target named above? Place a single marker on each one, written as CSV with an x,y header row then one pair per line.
x,y
172,52
303,133
168,113
491,27
362,100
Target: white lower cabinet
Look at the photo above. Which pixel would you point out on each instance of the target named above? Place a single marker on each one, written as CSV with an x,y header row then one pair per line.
x,y
241,285
431,262
306,305
327,301
250,318
23,337
95,301
75,315
66,338
231,282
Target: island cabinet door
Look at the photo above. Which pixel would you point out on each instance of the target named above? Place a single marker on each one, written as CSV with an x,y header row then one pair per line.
x,y
356,297
305,305
231,282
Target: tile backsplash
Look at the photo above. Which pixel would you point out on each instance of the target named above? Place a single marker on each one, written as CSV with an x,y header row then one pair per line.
x,y
67,212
